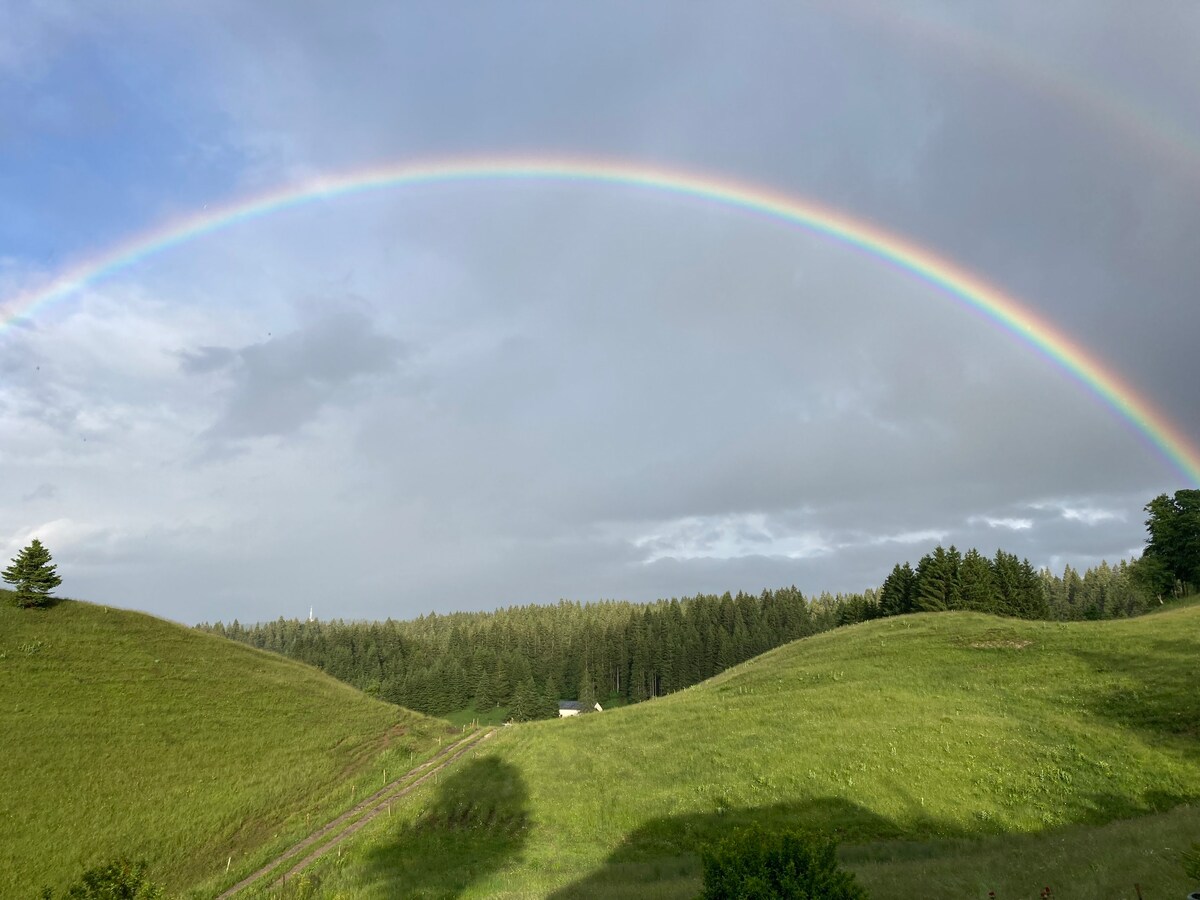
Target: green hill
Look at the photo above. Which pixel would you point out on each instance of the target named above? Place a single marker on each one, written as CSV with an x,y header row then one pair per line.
x,y
126,734
949,753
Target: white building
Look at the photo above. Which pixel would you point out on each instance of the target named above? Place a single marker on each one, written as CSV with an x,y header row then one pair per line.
x,y
574,708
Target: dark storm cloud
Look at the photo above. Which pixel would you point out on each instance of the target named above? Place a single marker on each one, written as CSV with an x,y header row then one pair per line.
x,y
282,383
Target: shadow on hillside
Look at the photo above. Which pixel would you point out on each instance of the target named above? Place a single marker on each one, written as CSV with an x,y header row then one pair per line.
x,y
661,858
9,598
1163,702
477,821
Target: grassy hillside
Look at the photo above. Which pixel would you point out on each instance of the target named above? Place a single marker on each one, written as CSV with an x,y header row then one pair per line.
x,y
123,733
950,754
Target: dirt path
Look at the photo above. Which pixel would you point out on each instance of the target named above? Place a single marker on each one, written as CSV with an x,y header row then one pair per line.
x,y
352,820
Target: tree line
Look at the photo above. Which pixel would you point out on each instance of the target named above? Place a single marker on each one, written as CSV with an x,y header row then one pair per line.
x,y
527,658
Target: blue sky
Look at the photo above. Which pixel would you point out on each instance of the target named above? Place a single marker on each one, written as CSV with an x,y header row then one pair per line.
x,y
467,396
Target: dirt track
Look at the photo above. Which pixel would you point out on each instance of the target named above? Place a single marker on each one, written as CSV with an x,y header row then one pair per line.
x,y
352,820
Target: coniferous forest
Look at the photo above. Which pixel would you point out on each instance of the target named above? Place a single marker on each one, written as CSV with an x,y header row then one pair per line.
x,y
526,658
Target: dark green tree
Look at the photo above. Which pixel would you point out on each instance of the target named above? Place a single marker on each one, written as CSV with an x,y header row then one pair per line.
x,y
526,702
898,594
587,691
549,697
1173,543
978,589
938,580
32,576
752,864
1032,593
485,699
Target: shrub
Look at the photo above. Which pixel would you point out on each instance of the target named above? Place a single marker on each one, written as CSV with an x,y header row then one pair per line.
x,y
120,879
757,865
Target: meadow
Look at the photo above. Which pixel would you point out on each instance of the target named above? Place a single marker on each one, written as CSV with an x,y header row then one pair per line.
x,y
126,734
950,754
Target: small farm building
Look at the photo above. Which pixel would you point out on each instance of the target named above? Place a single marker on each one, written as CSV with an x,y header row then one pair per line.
x,y
574,708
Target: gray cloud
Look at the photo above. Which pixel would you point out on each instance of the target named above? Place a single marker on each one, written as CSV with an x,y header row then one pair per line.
x,y
282,383
44,491
602,391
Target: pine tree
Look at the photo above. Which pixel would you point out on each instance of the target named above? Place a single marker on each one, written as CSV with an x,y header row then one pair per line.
x,y
938,581
525,701
587,691
1033,603
978,587
32,576
548,708
1006,577
485,698
897,596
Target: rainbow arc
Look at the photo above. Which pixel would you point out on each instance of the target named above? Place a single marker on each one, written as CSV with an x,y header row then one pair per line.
x,y
954,281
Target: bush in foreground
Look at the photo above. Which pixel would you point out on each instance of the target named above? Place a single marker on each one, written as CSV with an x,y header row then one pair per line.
x,y
757,865
120,879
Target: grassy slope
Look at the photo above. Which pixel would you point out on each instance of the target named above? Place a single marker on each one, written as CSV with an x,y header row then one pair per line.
x,y
124,733
950,753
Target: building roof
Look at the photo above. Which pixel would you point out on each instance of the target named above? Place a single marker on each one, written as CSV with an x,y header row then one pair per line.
x,y
570,704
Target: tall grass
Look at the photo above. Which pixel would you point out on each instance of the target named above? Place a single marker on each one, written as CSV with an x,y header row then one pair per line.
x,y
125,734
945,752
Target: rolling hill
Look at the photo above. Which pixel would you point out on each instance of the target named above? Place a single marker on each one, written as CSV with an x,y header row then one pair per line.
x,y
949,753
127,734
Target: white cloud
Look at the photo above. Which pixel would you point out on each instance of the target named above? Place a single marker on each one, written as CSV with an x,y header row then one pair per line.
x,y
60,534
1090,516
1074,511
1011,523
728,537
920,536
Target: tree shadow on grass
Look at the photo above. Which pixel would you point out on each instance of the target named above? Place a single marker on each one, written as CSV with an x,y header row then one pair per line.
x,y
1163,700
477,821
661,858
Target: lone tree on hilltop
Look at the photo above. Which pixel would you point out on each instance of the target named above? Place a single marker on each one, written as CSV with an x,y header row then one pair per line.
x,y
32,576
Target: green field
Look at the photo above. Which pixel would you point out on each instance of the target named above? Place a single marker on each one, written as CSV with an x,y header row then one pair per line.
x,y
950,754
126,734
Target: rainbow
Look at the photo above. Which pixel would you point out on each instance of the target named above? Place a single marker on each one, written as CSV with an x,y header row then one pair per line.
x,y
959,284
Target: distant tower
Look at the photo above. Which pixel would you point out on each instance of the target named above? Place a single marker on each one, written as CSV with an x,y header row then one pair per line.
x,y
310,614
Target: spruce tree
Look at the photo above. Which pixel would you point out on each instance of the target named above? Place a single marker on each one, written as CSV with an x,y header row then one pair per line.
x,y
978,587
587,692
485,697
526,703
549,699
898,594
937,581
32,576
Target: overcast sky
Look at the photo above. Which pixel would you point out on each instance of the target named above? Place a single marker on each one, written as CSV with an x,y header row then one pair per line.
x,y
464,396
